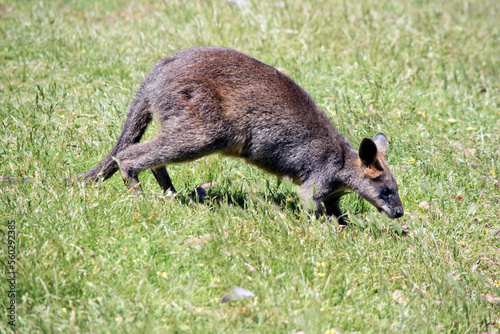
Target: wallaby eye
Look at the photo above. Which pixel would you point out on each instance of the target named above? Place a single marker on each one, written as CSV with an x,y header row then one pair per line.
x,y
385,192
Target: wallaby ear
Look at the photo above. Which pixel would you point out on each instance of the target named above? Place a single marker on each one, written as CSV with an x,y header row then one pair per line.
x,y
367,151
382,143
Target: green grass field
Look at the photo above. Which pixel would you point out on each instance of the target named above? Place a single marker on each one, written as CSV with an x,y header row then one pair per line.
x,y
92,259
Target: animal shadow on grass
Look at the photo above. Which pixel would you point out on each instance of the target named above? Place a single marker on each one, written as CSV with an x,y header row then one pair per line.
x,y
244,194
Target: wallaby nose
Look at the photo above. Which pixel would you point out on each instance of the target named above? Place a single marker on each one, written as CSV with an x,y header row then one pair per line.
x,y
399,213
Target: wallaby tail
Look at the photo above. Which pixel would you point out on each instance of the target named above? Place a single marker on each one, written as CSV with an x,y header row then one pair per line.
x,y
135,125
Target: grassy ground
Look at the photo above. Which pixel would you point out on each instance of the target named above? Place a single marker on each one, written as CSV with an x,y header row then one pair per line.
x,y
91,259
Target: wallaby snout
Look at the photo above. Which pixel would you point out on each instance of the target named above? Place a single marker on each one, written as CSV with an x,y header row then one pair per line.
x,y
394,209
216,100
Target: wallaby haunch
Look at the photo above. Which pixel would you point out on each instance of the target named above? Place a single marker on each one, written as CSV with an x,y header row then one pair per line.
x,y
212,99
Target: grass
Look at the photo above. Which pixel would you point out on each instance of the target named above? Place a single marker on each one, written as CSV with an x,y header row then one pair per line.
x,y
91,259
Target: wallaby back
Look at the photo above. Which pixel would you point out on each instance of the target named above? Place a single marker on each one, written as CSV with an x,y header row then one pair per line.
x,y
220,100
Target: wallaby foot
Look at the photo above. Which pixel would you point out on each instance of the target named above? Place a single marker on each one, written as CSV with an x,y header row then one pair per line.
x,y
199,194
133,184
102,171
163,179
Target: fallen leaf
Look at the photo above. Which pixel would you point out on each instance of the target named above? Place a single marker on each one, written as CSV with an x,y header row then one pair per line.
x,y
197,309
410,215
424,205
250,268
440,214
397,296
198,241
490,298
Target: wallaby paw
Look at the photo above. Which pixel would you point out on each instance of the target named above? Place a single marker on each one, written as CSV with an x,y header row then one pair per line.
x,y
85,178
135,190
200,193
81,178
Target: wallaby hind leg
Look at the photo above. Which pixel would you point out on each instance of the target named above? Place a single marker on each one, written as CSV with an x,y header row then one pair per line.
x,y
102,171
163,178
171,147
133,129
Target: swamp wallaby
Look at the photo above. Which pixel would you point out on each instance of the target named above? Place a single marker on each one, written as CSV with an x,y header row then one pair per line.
x,y
211,99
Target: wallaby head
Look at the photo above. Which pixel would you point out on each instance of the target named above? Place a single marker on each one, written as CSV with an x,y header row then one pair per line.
x,y
216,100
375,181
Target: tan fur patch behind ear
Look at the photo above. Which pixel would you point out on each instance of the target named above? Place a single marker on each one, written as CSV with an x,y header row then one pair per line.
x,y
373,171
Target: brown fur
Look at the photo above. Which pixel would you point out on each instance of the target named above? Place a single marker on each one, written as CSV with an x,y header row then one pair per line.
x,y
212,100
